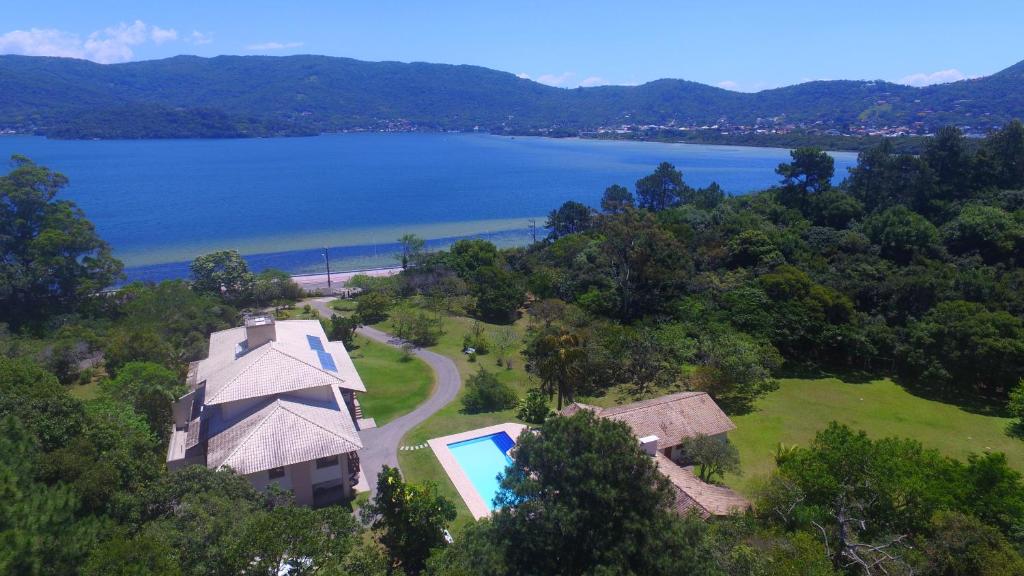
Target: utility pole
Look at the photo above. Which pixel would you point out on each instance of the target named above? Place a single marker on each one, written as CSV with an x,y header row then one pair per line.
x,y
327,258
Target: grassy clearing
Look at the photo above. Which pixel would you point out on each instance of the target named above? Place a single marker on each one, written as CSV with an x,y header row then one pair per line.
x,y
343,306
85,392
393,386
802,407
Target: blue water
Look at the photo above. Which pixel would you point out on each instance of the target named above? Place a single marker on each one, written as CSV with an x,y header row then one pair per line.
x,y
160,203
483,459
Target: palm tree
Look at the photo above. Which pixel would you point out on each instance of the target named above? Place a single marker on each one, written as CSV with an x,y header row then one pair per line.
x,y
560,365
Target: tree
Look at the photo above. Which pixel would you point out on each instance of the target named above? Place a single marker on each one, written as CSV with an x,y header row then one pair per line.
x,y
124,555
40,403
343,329
662,189
485,393
963,347
734,368
412,250
947,156
558,359
499,294
296,537
51,258
223,273
150,389
1016,406
902,234
372,307
809,173
616,199
39,531
411,519
582,498
570,218
961,544
274,287
707,198
534,408
167,324
467,256
646,264
713,456
988,231
1006,147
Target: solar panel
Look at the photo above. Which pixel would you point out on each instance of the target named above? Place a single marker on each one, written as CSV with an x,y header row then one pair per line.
x,y
315,343
326,361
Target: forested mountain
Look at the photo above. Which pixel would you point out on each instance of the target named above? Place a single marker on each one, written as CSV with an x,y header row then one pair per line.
x,y
261,95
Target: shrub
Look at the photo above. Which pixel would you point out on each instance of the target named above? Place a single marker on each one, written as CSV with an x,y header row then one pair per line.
x,y
373,307
534,408
485,393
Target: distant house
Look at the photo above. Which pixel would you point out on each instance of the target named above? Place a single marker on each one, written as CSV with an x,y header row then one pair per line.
x,y
275,402
660,425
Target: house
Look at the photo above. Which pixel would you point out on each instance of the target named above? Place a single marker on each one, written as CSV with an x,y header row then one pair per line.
x,y
275,402
660,425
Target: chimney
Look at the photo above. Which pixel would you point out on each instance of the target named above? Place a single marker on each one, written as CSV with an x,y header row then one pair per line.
x,y
649,444
259,330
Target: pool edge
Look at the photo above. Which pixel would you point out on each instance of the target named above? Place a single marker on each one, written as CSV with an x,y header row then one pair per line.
x,y
476,504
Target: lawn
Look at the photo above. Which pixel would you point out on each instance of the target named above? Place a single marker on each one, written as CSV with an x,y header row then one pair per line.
x,y
800,408
393,386
419,465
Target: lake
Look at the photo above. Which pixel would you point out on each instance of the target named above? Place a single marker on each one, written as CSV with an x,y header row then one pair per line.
x,y
160,203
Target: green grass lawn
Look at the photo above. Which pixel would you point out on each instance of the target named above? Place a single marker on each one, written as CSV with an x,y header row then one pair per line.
x,y
419,465
800,408
393,386
343,306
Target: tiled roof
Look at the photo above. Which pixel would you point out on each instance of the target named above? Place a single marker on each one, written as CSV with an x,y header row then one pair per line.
x,y
284,431
671,418
231,372
274,368
693,494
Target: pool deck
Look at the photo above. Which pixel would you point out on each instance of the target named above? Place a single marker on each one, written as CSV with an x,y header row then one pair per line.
x,y
476,504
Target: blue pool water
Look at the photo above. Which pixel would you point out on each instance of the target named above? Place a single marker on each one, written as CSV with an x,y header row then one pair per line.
x,y
483,459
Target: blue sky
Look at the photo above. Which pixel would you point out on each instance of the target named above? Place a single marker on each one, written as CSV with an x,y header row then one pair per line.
x,y
741,45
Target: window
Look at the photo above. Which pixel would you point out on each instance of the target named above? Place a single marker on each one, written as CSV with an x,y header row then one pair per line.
x,y
327,462
276,473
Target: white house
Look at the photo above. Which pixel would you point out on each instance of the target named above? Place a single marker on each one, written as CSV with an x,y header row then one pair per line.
x,y
273,401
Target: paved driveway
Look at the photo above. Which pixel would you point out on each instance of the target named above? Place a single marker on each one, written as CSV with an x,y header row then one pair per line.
x,y
380,445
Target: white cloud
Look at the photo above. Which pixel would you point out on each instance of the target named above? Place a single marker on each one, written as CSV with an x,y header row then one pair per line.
x,y
41,42
161,35
523,75
940,77
560,80
197,37
268,46
728,85
112,44
593,81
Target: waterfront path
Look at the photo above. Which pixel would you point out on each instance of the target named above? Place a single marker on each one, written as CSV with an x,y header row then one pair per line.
x,y
380,445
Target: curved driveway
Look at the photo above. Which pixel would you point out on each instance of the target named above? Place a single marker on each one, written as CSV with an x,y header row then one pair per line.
x,y
380,445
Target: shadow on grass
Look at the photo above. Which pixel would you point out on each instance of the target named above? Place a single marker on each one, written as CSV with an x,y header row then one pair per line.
x,y
1015,430
971,401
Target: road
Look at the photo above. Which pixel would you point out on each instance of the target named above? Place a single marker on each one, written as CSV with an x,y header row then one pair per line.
x,y
380,445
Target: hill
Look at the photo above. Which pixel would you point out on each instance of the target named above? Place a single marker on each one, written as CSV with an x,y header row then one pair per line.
x,y
237,96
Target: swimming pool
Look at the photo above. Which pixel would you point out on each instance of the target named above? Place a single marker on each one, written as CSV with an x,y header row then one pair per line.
x,y
483,459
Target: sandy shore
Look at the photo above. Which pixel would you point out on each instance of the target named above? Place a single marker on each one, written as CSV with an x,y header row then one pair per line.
x,y
339,278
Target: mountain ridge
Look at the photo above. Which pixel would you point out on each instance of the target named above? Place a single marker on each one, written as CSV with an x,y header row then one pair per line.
x,y
305,94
